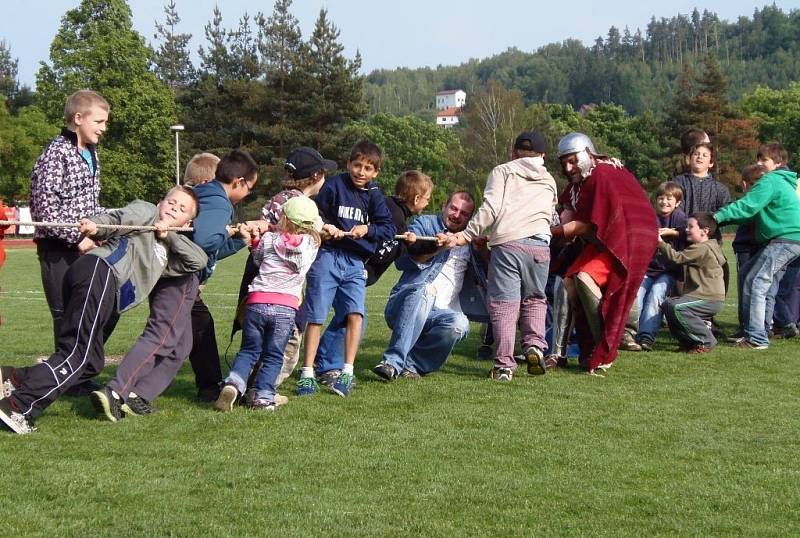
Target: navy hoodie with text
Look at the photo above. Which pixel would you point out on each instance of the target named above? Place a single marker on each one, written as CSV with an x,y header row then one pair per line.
x,y
344,205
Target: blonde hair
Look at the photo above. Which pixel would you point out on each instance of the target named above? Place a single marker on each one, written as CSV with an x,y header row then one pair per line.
x,y
201,168
81,102
412,183
290,227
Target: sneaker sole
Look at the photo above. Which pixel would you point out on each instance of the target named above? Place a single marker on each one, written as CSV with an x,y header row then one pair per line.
x,y
102,405
536,365
129,411
8,421
226,399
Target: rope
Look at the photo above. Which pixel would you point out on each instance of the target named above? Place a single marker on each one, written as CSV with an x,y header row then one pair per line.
x,y
131,227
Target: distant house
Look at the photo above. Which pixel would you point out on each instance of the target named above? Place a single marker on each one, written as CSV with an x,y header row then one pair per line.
x,y
450,99
448,117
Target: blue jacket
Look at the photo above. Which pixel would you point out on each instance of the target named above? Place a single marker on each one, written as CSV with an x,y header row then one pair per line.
x,y
473,292
344,205
210,232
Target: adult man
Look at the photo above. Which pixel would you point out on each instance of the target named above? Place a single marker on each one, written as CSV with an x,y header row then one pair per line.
x,y
517,211
439,291
608,208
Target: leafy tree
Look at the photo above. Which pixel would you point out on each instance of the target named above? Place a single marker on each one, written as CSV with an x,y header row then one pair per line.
x,y
8,72
171,61
778,112
96,48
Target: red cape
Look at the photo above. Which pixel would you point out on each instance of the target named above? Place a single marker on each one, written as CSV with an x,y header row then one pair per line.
x,y
612,199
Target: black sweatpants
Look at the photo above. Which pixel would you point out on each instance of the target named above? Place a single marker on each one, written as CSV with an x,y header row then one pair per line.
x,y
204,356
89,307
157,355
55,257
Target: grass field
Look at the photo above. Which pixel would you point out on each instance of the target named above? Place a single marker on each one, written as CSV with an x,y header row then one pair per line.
x,y
667,444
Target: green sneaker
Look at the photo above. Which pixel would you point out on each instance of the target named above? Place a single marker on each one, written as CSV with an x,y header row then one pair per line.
x,y
307,386
343,385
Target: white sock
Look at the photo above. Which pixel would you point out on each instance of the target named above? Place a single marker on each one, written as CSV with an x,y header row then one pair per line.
x,y
347,369
115,395
307,372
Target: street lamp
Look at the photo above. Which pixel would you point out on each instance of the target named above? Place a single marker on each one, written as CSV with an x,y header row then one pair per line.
x,y
177,129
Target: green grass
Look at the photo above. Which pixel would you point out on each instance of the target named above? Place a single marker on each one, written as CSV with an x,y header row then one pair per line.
x,y
667,444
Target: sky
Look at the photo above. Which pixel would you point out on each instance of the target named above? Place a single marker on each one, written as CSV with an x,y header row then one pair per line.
x,y
388,33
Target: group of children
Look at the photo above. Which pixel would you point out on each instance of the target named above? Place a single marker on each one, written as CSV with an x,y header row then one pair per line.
x,y
310,256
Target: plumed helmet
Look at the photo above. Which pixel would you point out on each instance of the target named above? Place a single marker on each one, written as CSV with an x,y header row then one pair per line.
x,y
575,142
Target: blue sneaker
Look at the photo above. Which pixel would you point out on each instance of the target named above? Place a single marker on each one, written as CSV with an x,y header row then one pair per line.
x,y
343,385
307,386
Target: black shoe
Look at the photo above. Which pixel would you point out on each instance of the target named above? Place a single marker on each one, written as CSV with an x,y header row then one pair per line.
x,y
409,374
485,353
329,378
83,389
138,406
106,404
208,394
385,371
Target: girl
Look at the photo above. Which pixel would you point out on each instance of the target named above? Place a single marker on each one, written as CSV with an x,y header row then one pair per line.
x,y
284,258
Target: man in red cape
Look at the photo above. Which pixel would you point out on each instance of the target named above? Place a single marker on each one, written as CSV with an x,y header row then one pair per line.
x,y
611,211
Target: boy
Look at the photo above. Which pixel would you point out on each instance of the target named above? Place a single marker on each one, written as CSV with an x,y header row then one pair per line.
x,y
356,221
775,207
701,192
200,169
114,278
235,177
704,290
786,290
412,193
517,207
661,274
65,187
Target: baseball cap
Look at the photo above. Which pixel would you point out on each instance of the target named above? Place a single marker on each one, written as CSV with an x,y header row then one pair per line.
x,y
531,141
302,212
304,161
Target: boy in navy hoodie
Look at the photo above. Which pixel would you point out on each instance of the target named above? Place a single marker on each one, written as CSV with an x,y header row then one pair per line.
x,y
235,178
356,220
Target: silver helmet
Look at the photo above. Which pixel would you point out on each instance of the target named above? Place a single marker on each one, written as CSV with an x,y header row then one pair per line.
x,y
575,142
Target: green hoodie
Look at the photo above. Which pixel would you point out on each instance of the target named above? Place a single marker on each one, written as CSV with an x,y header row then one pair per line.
x,y
772,203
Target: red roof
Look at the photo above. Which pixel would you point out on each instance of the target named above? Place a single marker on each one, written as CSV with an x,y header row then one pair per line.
x,y
448,92
450,111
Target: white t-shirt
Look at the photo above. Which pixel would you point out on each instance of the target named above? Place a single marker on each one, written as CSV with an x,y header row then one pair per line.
x,y
448,282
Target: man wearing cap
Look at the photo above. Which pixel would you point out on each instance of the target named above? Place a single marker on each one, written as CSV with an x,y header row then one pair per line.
x,y
517,211
605,205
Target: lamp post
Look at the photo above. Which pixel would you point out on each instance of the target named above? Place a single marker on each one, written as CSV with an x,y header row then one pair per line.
x,y
177,129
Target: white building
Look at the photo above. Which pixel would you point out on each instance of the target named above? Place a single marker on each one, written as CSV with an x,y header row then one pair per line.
x,y
450,99
448,117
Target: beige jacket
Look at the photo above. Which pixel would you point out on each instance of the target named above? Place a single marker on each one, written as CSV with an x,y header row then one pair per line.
x,y
518,202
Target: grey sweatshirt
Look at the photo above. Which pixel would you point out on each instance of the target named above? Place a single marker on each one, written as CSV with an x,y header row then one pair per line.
x,y
518,202
137,258
703,268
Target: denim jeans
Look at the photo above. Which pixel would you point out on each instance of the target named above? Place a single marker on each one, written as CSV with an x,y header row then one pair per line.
x,y
330,355
761,271
423,336
266,330
652,293
787,300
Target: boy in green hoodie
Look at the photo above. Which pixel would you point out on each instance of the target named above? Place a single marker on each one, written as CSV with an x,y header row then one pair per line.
x,y
774,206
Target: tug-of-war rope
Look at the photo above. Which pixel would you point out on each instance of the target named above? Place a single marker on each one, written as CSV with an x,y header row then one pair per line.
x,y
138,228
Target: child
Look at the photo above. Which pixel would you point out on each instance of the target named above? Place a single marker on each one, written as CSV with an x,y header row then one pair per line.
x,y
689,139
701,192
786,290
200,169
775,207
284,257
117,276
661,275
305,174
356,221
412,193
236,175
744,245
65,187
517,210
704,290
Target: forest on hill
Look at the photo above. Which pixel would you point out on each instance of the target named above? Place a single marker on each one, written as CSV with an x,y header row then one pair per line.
x,y
264,87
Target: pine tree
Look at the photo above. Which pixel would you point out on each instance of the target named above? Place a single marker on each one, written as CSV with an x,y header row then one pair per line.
x,y
8,73
96,47
215,60
171,62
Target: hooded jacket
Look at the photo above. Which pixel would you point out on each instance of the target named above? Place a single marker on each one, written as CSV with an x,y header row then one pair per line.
x,y
772,203
210,225
703,268
518,202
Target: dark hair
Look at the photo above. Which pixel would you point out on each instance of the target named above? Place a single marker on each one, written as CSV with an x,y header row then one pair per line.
x,y
670,188
460,194
370,152
691,137
709,146
412,183
189,191
753,172
234,165
774,151
705,220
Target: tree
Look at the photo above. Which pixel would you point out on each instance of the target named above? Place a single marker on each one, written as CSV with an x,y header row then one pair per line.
x,y
215,60
778,112
8,72
171,61
96,48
